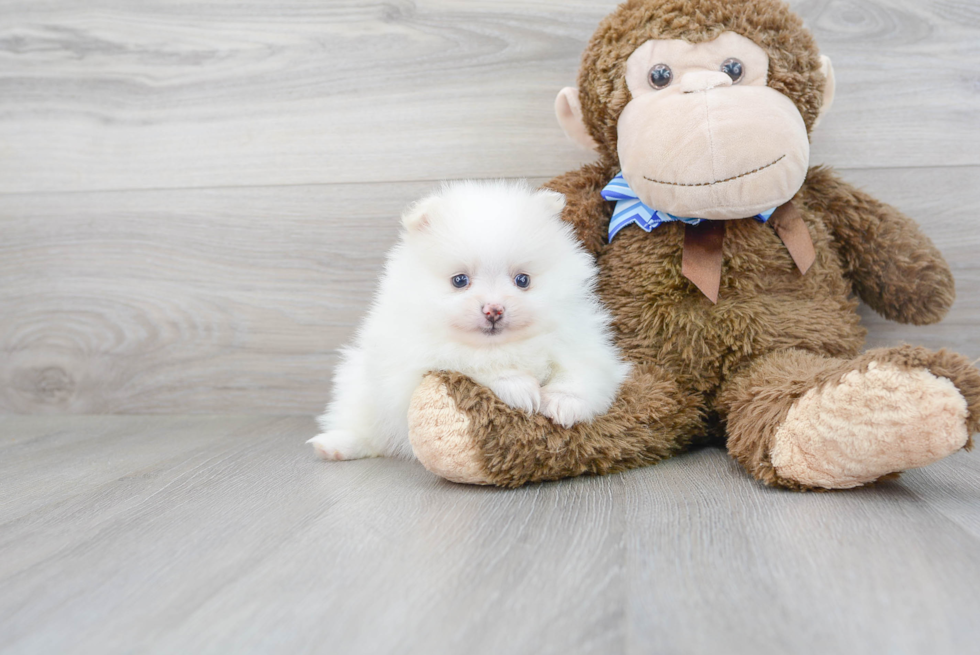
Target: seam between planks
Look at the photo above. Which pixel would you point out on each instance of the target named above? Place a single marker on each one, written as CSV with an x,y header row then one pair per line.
x,y
434,180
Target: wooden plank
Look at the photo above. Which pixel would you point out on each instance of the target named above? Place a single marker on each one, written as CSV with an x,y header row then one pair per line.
x,y
250,544
719,564
881,115
46,461
233,300
951,487
129,303
225,94
176,95
225,534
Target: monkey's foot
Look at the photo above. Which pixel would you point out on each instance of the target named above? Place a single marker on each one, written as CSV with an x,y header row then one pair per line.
x,y
871,423
440,435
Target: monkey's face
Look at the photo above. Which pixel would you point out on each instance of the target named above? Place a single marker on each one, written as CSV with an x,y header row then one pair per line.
x,y
703,136
696,128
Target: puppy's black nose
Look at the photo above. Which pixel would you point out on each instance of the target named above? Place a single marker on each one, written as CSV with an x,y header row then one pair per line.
x,y
493,312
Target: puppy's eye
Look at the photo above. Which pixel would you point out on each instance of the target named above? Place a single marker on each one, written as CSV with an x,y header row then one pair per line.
x,y
733,69
660,76
461,281
522,280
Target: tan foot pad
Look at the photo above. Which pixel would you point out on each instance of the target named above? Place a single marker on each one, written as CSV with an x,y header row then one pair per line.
x,y
440,435
873,423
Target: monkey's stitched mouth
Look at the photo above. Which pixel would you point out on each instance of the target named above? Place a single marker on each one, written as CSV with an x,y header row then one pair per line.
x,y
741,175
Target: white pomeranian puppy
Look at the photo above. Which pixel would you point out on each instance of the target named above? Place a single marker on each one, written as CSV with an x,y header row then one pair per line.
x,y
489,281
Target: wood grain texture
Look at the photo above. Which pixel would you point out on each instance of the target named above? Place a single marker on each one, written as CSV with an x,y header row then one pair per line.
x,y
225,534
112,95
205,300
225,537
234,300
873,570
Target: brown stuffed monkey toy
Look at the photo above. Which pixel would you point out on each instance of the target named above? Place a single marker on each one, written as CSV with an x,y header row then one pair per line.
x,y
729,267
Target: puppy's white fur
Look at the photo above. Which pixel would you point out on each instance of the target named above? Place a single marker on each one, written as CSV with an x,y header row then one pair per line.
x,y
550,351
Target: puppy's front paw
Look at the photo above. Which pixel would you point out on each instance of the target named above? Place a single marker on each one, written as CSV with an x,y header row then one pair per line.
x,y
337,445
563,407
519,390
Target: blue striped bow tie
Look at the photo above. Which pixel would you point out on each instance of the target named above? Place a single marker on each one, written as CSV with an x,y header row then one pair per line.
x,y
629,209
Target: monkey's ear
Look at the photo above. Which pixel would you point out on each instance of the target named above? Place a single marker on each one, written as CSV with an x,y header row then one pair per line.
x,y
419,215
568,108
827,69
553,201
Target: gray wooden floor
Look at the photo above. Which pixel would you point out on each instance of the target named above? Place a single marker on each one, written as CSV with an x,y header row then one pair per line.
x,y
195,199
222,535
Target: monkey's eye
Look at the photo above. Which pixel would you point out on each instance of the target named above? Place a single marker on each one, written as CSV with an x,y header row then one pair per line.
x,y
660,76
522,280
461,281
733,69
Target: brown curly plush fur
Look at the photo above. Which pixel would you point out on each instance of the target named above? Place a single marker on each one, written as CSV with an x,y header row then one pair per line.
x,y
730,370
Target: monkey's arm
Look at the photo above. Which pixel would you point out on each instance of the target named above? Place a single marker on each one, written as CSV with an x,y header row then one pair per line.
x,y
895,268
585,207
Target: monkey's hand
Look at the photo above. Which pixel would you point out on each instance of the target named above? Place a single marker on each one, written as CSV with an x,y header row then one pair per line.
x,y
895,268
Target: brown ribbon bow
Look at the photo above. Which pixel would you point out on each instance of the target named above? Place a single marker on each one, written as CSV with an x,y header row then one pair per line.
x,y
702,258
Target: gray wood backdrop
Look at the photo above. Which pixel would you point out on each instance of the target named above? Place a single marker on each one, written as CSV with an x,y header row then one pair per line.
x,y
195,197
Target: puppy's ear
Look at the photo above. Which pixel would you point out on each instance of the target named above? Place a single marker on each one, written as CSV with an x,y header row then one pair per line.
x,y
552,201
418,216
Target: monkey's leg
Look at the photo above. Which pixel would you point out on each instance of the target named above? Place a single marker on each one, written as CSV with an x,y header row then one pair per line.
x,y
800,420
461,431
